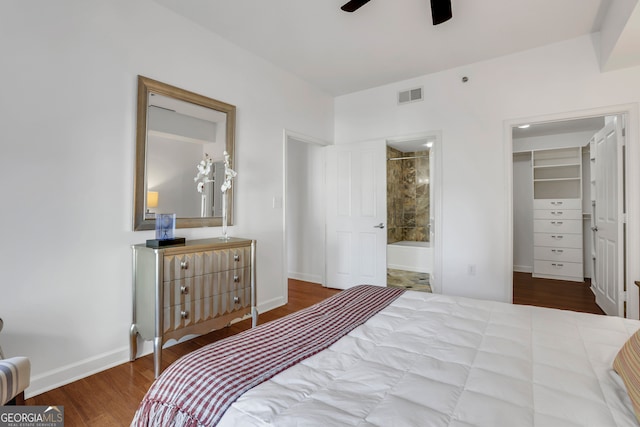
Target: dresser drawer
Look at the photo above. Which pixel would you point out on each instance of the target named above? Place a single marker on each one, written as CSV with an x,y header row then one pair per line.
x,y
179,291
558,268
229,259
557,214
557,204
563,226
179,266
192,312
557,254
558,240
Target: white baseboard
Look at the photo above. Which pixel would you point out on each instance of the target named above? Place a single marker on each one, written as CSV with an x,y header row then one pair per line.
x,y
522,269
75,371
271,304
313,278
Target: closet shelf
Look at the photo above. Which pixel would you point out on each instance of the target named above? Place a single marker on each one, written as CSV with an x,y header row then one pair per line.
x,y
559,165
555,179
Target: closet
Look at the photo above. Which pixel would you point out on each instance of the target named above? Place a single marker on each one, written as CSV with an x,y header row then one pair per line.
x,y
569,204
552,191
557,214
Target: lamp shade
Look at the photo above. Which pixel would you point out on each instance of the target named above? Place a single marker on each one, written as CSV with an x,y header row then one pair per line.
x,y
152,199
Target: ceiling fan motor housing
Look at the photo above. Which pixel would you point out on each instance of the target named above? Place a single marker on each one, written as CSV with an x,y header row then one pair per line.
x,y
440,9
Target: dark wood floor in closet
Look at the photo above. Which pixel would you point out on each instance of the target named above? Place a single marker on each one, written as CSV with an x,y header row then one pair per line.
x,y
111,397
561,294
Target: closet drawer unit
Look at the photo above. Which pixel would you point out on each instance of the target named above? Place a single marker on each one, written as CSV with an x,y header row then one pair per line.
x,y
557,214
557,204
561,226
567,270
557,254
558,240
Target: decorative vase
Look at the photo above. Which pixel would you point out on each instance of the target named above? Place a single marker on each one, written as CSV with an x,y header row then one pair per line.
x,y
224,216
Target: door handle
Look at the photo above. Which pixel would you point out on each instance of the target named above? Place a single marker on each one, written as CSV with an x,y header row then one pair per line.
x,y
594,228
381,225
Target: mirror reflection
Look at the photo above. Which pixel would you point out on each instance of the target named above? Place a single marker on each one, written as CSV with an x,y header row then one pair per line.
x,y
182,138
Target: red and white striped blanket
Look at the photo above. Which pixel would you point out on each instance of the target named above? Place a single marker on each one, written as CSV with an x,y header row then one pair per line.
x,y
198,388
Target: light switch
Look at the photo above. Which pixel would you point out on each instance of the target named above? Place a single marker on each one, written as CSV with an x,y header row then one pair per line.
x,y
277,202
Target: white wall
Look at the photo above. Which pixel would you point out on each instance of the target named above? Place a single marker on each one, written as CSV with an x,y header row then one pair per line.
x,y
305,215
67,113
558,78
522,213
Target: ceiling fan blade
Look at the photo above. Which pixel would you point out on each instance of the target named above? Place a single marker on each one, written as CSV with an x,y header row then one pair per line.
x,y
440,11
354,5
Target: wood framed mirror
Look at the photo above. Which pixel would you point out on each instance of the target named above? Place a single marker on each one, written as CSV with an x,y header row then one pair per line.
x,y
176,129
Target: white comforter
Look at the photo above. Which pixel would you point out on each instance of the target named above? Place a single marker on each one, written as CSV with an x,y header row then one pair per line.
x,y
433,360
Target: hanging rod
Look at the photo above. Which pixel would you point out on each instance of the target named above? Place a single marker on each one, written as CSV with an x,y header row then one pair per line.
x,y
408,158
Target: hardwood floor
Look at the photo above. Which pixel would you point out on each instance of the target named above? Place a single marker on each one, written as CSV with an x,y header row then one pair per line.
x,y
554,293
111,397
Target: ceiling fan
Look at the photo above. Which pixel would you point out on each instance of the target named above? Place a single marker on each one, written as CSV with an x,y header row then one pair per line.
x,y
440,9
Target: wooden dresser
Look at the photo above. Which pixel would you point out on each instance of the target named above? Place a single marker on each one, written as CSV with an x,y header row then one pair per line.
x,y
190,289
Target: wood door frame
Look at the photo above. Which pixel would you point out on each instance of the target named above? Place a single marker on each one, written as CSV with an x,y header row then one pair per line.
x,y
631,194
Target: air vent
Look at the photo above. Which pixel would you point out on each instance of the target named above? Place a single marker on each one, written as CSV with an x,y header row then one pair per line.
x,y
410,95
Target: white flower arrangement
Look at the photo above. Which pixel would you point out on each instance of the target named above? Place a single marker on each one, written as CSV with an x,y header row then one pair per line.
x,y
204,169
229,173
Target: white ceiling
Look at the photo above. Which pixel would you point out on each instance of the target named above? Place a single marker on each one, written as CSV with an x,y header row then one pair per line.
x,y
387,40
592,124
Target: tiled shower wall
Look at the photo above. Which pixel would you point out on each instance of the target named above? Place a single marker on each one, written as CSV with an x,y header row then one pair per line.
x,y
407,196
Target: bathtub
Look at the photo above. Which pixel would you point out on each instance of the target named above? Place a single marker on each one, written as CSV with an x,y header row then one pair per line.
x,y
410,256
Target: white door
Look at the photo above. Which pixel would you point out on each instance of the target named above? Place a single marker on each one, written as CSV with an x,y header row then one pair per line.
x,y
608,212
356,214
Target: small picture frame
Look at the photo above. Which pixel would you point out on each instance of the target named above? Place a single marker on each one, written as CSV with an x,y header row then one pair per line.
x,y
165,226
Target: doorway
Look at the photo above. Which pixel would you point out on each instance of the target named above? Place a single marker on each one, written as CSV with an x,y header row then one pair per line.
x,y
304,208
568,176
356,200
409,217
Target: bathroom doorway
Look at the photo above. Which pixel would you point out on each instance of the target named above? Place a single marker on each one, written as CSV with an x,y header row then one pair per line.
x,y
410,213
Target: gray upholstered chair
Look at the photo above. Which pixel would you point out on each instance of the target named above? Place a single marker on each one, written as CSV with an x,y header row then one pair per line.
x,y
15,375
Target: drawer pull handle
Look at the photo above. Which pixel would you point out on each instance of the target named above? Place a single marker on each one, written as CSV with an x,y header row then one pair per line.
x,y
184,314
557,265
184,265
556,203
557,222
559,251
557,213
236,300
236,257
236,279
557,237
184,290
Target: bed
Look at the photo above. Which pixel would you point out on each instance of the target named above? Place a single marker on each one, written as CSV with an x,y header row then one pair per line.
x,y
373,356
